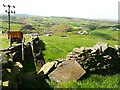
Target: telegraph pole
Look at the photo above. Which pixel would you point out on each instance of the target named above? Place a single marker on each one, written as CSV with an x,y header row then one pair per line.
x,y
9,11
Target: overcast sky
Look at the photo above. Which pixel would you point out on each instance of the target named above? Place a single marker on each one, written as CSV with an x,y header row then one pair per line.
x,y
100,9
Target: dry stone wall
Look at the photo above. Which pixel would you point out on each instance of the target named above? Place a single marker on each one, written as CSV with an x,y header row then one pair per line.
x,y
12,62
101,58
38,46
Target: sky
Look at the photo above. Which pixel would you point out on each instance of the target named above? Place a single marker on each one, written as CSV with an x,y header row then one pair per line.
x,y
94,9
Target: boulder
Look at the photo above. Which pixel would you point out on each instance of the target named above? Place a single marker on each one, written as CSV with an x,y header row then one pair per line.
x,y
68,71
46,69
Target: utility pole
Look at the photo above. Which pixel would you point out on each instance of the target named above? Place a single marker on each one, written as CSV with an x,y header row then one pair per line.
x,y
9,11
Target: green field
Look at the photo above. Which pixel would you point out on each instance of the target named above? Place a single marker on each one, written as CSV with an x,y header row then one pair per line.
x,y
57,46
93,81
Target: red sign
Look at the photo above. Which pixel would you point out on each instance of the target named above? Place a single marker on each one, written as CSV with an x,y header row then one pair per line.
x,y
15,35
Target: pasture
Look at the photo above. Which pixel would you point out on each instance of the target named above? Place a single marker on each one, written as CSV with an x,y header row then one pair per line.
x,y
58,47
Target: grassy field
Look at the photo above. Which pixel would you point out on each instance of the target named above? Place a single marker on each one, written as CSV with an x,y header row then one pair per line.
x,y
93,81
59,47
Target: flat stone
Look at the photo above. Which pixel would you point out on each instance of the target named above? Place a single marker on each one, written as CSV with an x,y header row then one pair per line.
x,y
9,70
18,64
93,51
76,50
101,46
46,67
106,56
67,71
117,47
82,49
5,83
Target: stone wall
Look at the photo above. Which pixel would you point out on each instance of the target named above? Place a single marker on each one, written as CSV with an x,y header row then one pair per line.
x,y
12,62
101,58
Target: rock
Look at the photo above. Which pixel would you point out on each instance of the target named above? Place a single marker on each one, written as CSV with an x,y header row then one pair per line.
x,y
37,48
39,60
18,64
101,46
38,64
59,60
0,82
9,70
5,74
93,51
15,77
36,44
15,71
82,49
106,56
67,71
92,69
117,47
46,68
98,59
5,83
77,50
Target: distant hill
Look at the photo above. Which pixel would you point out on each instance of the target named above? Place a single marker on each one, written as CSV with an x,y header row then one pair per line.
x,y
58,29
30,15
22,15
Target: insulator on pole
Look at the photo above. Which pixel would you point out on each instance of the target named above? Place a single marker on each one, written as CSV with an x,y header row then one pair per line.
x,y
11,11
5,10
4,5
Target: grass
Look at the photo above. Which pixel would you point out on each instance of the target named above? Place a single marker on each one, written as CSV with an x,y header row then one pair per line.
x,y
5,43
59,47
94,81
13,27
106,34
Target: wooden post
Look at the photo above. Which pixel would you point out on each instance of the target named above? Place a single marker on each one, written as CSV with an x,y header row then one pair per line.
x,y
22,51
10,41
